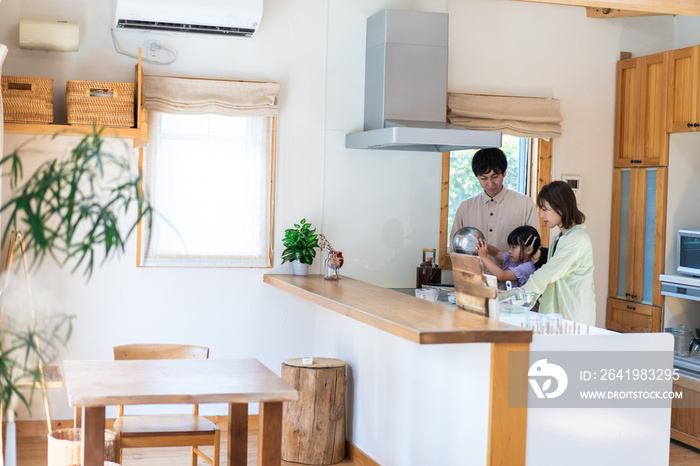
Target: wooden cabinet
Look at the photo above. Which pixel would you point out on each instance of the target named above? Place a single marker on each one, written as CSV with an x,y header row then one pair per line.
x,y
684,94
627,316
685,415
640,112
637,245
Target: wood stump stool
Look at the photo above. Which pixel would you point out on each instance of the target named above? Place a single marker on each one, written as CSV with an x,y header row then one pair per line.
x,y
313,427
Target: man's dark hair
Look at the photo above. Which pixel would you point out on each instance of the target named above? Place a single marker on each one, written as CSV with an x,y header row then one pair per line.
x,y
489,159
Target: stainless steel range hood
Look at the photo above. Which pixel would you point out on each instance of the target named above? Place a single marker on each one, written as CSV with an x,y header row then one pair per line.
x,y
406,87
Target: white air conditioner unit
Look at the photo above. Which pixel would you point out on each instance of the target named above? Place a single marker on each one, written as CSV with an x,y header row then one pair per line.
x,y
239,18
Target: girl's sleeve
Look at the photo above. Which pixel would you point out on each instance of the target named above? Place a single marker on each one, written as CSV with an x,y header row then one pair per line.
x,y
523,271
506,261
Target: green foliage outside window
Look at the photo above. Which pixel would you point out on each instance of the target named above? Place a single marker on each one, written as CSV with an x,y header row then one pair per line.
x,y
463,183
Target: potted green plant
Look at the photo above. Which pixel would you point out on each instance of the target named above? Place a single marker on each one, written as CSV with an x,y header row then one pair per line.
x,y
69,210
300,245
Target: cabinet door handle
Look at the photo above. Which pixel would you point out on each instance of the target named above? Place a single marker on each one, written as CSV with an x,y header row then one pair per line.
x,y
690,125
632,308
695,125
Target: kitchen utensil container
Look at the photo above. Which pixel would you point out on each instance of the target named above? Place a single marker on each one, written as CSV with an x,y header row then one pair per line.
x,y
27,99
682,337
101,103
427,293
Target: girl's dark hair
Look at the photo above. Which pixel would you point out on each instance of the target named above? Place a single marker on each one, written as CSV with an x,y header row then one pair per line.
x,y
562,199
486,160
525,236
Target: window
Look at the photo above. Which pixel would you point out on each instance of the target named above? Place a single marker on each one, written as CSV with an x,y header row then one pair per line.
x,y
209,171
529,167
463,183
210,181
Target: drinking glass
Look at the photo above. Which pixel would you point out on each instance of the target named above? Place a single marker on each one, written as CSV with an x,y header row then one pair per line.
x,y
553,323
532,322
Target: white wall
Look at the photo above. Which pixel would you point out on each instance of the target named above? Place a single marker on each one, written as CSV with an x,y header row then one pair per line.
x,y
229,310
686,32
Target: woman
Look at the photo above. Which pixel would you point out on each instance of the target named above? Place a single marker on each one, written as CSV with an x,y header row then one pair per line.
x,y
566,280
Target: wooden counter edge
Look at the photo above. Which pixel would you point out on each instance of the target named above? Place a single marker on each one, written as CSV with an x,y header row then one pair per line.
x,y
505,334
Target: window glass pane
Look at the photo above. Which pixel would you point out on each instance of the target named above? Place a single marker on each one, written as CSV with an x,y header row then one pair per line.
x,y
463,183
623,232
649,236
209,178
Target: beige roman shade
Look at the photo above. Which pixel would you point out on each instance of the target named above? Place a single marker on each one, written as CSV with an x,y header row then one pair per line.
x,y
207,96
528,117
217,138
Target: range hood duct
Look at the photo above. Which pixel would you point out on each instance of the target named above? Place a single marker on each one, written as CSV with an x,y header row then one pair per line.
x,y
406,87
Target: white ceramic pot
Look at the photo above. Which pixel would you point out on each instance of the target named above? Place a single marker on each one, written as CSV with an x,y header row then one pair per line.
x,y
300,268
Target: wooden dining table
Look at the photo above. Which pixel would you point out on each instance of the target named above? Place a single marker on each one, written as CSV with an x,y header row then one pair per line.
x,y
92,385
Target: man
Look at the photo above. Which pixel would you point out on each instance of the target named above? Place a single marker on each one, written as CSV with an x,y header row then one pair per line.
x,y
497,210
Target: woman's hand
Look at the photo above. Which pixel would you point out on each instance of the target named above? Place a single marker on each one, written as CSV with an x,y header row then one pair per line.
x,y
481,248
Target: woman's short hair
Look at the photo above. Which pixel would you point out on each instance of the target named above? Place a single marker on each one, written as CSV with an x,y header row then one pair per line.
x,y
486,160
562,200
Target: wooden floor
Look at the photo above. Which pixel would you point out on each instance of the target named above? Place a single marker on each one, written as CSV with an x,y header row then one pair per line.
x,y
683,455
31,451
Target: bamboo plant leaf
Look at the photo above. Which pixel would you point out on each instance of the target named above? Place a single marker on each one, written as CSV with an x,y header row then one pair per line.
x,y
69,208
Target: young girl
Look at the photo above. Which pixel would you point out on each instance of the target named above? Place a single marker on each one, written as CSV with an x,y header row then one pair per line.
x,y
565,282
519,261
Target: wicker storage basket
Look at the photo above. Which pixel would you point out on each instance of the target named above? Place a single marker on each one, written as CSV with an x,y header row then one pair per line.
x,y
27,100
64,447
101,103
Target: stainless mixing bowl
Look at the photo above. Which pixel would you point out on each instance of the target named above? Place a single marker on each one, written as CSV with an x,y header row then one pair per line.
x,y
465,240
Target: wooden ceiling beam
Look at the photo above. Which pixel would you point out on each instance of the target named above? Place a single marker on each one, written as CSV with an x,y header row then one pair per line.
x,y
613,13
668,7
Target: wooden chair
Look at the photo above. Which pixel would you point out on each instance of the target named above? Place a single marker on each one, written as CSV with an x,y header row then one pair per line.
x,y
165,430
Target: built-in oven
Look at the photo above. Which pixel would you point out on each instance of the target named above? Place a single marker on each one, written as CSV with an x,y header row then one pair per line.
x,y
684,287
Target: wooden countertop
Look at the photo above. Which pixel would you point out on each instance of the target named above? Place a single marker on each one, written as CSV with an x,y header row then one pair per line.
x,y
414,319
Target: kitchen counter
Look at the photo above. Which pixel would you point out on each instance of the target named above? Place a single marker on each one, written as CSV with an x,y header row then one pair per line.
x,y
473,381
408,389
408,317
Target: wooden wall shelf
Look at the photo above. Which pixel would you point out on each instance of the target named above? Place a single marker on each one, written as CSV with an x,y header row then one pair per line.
x,y
138,134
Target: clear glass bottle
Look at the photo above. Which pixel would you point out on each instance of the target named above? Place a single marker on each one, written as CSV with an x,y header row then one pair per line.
x,y
331,266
